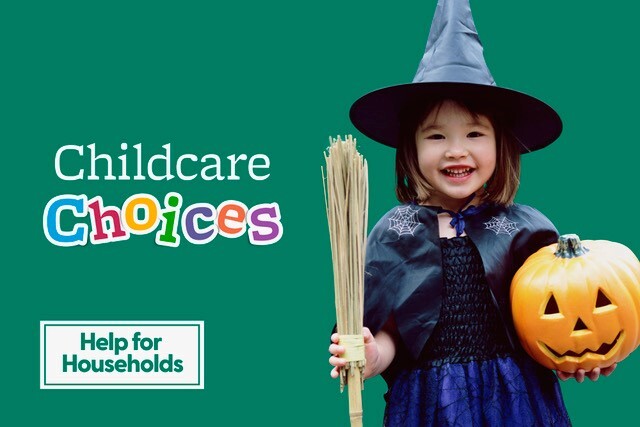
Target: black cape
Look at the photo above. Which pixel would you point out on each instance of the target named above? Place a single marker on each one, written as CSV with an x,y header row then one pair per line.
x,y
403,270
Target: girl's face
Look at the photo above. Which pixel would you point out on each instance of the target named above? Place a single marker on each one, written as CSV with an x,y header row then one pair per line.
x,y
456,153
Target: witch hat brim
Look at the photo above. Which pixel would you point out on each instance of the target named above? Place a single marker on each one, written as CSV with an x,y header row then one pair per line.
x,y
453,66
378,115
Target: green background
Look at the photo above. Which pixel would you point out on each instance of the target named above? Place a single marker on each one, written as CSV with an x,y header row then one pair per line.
x,y
276,78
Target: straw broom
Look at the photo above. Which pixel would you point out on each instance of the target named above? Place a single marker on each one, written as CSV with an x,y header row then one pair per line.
x,y
347,197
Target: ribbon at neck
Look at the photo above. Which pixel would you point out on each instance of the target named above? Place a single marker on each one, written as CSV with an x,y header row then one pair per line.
x,y
457,218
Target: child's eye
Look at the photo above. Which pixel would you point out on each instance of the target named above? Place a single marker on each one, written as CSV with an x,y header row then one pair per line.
x,y
435,136
474,134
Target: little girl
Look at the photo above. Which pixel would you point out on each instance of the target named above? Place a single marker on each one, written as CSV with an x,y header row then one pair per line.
x,y
438,268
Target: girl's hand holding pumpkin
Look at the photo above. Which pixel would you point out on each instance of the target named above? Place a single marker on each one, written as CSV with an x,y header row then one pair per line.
x,y
593,375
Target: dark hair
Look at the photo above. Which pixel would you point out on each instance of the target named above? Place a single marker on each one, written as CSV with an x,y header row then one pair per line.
x,y
412,185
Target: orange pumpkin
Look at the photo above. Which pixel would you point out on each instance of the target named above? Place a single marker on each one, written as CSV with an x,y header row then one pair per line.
x,y
576,305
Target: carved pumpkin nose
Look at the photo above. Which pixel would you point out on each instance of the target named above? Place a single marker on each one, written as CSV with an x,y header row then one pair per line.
x,y
580,326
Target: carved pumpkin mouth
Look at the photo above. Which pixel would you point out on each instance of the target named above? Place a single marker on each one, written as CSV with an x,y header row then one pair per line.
x,y
605,350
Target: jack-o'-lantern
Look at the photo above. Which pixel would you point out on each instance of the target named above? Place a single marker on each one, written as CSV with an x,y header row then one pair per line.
x,y
576,305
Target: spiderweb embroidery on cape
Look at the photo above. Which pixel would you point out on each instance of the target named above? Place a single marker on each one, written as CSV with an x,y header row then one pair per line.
x,y
404,220
501,225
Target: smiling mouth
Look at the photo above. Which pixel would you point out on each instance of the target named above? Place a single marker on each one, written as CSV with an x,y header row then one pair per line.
x,y
457,172
603,350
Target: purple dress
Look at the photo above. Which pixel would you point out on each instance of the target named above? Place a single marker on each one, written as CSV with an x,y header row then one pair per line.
x,y
468,374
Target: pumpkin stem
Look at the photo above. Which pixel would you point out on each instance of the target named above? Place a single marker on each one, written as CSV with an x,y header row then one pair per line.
x,y
570,246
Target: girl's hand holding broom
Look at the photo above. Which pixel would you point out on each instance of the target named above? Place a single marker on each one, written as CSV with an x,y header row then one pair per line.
x,y
379,351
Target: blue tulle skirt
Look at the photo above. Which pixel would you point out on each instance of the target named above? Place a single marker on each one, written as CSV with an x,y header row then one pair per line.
x,y
506,391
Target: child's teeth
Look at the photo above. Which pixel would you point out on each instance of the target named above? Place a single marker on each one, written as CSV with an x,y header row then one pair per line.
x,y
457,172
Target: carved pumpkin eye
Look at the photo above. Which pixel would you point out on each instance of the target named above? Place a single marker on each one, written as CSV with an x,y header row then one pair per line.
x,y
602,299
552,306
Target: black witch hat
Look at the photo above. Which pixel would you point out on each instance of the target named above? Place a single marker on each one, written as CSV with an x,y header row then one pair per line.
x,y
453,66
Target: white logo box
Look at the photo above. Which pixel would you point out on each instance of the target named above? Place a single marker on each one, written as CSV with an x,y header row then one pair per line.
x,y
121,354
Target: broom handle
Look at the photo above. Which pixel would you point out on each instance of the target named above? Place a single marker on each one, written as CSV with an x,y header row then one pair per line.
x,y
355,397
